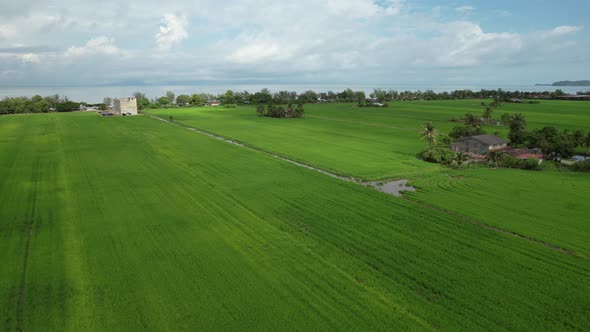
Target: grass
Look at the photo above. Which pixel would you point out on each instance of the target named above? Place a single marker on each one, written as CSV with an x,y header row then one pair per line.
x,y
366,143
550,206
132,223
370,143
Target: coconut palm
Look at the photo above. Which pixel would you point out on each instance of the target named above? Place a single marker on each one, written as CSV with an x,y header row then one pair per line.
x,y
429,133
487,113
472,121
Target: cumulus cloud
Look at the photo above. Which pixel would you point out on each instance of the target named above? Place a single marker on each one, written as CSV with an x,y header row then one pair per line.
x,y
261,40
97,45
172,32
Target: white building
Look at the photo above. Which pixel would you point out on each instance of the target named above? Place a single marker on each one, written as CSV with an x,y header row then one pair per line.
x,y
125,106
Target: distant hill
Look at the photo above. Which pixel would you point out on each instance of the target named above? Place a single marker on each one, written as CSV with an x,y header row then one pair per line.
x,y
568,83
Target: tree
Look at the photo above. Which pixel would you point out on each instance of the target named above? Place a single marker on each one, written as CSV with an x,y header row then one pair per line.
x,y
142,101
578,137
67,106
517,134
197,100
360,98
298,113
506,118
487,113
346,96
184,100
108,101
472,121
228,97
429,133
164,101
262,97
260,110
497,99
308,97
170,96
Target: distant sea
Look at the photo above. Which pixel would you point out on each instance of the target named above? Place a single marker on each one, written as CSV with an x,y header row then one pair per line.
x,y
95,94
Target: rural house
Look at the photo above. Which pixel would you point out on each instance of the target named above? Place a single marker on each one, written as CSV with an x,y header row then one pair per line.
x,y
480,144
125,106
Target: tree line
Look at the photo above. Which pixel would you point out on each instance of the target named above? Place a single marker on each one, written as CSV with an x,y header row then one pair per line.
x,y
38,104
55,103
284,97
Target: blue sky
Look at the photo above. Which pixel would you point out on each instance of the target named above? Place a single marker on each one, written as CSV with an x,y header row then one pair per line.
x,y
364,42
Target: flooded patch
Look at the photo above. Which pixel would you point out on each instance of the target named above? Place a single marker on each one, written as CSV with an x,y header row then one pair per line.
x,y
394,188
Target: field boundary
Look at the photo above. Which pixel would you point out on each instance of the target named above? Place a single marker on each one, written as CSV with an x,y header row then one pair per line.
x,y
370,184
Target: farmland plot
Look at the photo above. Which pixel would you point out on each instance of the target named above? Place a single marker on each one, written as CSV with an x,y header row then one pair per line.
x,y
368,143
131,223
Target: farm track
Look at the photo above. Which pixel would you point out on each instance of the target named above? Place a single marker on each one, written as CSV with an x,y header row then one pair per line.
x,y
462,217
28,230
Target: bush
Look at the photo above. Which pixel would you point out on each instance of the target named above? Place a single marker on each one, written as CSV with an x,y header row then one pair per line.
x,y
530,164
509,161
581,166
280,112
438,154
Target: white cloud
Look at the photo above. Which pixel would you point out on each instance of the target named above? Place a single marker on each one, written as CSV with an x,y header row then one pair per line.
x,y
97,45
364,8
562,30
7,32
172,32
331,40
260,51
29,58
465,9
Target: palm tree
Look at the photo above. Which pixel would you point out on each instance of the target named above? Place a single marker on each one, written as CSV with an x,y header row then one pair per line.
x,y
495,157
487,113
471,121
429,133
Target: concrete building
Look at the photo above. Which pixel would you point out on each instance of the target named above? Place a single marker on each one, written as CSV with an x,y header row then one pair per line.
x,y
480,144
125,106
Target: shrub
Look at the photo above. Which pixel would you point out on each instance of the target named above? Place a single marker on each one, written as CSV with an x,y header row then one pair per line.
x,y
581,166
438,154
530,164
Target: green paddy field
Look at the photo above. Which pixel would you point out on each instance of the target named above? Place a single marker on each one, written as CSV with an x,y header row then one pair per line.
x,y
132,223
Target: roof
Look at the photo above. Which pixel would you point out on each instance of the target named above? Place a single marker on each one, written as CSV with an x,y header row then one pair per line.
x,y
486,139
529,155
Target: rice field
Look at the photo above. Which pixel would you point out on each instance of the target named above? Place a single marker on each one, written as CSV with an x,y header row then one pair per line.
x,y
132,223
367,143
548,206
